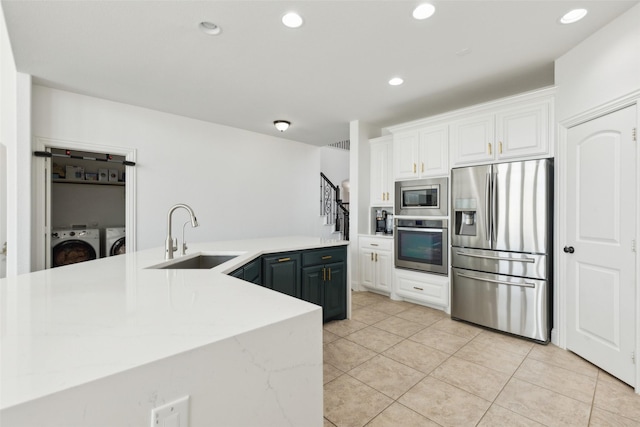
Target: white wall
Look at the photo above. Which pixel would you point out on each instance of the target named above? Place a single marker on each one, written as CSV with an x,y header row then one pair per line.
x,y
334,163
15,128
240,184
603,67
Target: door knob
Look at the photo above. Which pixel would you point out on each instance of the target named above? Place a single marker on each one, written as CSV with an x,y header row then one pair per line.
x,y
569,249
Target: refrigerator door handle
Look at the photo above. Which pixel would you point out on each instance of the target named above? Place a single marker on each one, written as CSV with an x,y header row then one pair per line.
x,y
487,205
500,282
494,206
499,258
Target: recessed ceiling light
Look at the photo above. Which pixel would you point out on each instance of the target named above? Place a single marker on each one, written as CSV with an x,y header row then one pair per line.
x,y
396,81
292,20
573,16
424,11
210,28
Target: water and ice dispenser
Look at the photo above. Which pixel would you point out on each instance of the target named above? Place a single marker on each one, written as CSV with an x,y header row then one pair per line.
x,y
466,217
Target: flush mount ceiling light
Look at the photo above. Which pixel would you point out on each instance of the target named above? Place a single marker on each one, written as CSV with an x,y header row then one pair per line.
x,y
424,11
282,125
292,20
209,28
396,81
573,16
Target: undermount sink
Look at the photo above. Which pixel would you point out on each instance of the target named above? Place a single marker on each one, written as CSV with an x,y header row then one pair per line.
x,y
199,262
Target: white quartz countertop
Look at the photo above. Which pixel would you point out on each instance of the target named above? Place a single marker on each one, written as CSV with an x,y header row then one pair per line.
x,y
70,325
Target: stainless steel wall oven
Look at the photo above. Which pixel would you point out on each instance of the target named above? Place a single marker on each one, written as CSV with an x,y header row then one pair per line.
x,y
422,244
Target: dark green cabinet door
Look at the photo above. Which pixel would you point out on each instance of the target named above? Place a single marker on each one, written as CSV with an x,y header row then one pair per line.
x,y
312,289
253,272
239,273
335,298
281,273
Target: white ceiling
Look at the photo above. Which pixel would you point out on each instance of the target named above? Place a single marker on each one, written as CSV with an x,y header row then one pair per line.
x,y
330,71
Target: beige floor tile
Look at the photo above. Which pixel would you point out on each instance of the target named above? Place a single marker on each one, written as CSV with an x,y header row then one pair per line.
x,y
542,405
417,356
328,423
374,339
330,373
505,342
615,396
602,418
399,326
554,355
483,382
387,376
328,337
560,380
445,404
391,307
350,403
366,298
497,416
489,356
398,415
344,327
455,327
440,340
346,355
423,315
367,315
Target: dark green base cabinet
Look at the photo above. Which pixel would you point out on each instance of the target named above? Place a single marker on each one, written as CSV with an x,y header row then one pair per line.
x,y
318,276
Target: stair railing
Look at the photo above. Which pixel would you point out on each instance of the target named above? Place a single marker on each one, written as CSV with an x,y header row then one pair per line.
x,y
332,206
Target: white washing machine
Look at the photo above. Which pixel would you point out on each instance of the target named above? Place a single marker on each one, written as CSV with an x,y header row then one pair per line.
x,y
114,241
69,246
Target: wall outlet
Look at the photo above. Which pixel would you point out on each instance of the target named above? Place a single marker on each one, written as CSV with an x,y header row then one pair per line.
x,y
173,414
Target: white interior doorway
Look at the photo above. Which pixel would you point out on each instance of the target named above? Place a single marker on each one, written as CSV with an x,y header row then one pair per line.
x,y
44,190
3,211
599,247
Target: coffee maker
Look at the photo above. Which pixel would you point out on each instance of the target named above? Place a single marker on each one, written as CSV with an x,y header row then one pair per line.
x,y
381,221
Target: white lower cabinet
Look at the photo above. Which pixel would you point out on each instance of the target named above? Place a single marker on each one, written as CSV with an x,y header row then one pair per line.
x,y
376,262
432,289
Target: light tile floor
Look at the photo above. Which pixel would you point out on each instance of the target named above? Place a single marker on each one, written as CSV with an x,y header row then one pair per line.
x,y
403,365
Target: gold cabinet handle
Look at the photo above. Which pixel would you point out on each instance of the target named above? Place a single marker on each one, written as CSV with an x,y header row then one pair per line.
x,y
500,147
383,196
387,195
422,168
284,259
489,148
324,274
417,288
329,274
371,256
414,168
327,256
376,257
374,244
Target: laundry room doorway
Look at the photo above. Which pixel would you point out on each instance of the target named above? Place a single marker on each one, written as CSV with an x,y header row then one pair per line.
x,y
87,201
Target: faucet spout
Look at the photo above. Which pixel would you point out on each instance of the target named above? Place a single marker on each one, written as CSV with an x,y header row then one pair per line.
x,y
170,247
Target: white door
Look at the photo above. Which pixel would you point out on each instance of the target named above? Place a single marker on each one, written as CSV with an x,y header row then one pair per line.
x,y
601,231
3,211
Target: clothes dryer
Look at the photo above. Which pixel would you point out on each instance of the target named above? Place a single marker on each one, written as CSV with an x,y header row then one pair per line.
x,y
69,246
114,241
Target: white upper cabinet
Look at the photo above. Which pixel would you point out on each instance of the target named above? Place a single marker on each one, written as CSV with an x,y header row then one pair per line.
x,y
381,171
520,132
421,153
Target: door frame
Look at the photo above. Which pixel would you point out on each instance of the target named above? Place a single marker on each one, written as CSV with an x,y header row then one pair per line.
x,y
560,295
42,237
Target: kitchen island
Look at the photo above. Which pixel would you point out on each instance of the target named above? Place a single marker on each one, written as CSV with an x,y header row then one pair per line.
x,y
104,342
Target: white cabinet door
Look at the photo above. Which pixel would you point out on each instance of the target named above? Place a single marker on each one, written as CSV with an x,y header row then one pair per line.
x,y
376,262
472,140
367,272
523,132
381,172
384,265
433,151
405,155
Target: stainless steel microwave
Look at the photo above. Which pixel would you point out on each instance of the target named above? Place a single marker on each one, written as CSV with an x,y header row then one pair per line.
x,y
422,197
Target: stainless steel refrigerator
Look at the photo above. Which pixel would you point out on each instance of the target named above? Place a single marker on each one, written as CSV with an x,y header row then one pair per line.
x,y
501,246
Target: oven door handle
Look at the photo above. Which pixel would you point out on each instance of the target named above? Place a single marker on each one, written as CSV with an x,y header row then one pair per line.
x,y
421,230
500,282
498,258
